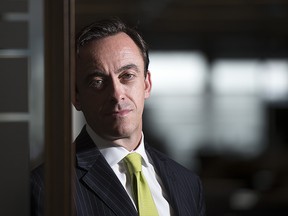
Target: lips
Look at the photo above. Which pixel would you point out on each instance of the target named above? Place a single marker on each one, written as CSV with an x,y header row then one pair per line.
x,y
121,113
120,110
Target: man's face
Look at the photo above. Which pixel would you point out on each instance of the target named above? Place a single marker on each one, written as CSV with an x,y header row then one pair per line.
x,y
111,87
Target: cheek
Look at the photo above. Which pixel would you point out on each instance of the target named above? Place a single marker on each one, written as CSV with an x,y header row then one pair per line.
x,y
139,97
140,93
88,102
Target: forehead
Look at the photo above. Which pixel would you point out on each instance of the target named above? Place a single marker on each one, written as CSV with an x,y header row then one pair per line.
x,y
109,54
118,43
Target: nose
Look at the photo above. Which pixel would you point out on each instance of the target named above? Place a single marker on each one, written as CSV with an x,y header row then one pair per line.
x,y
117,91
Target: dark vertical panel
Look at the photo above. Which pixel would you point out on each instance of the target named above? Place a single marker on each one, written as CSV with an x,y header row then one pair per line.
x,y
14,85
59,63
14,182
14,35
13,6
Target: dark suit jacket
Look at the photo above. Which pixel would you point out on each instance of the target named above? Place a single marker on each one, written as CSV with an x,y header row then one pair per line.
x,y
99,192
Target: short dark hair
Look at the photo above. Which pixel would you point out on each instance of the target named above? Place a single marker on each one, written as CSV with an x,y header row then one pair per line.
x,y
108,27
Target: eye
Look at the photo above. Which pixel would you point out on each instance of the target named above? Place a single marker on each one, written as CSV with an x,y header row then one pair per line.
x,y
127,76
97,83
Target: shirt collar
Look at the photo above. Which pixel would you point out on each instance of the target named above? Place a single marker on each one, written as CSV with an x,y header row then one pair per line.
x,y
114,153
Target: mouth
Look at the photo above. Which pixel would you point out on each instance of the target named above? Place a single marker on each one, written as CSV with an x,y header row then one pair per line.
x,y
119,113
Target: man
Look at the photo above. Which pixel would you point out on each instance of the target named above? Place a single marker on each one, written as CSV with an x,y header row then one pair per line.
x,y
112,83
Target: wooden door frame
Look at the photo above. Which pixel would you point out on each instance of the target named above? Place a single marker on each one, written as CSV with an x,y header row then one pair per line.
x,y
59,68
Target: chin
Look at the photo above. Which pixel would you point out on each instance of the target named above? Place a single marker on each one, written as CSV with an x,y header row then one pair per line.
x,y
123,132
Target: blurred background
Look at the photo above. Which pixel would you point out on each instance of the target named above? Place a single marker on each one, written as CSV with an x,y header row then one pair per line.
x,y
218,104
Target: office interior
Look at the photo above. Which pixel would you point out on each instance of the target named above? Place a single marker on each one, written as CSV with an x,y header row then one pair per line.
x,y
218,104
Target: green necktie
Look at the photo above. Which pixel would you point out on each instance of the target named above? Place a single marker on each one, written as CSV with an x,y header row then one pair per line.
x,y
145,202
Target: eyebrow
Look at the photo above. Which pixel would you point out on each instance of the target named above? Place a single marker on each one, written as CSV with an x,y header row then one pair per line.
x,y
128,67
100,73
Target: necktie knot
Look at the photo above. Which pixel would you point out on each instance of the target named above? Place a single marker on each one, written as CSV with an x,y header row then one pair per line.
x,y
134,162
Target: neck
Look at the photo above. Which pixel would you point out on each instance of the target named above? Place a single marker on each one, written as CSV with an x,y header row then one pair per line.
x,y
128,142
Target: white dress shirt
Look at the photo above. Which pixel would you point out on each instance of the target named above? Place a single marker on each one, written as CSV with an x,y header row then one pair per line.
x,y
114,155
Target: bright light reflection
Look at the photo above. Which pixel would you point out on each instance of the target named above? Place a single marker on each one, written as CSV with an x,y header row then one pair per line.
x,y
227,116
177,72
275,79
235,76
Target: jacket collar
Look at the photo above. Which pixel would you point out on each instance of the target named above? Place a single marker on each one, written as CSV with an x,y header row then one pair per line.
x,y
86,151
98,176
101,179
169,179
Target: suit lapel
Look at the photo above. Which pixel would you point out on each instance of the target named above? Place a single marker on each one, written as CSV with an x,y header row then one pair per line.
x,y
100,178
168,179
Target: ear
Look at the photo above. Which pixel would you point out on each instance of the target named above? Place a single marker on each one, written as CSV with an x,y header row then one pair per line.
x,y
148,85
